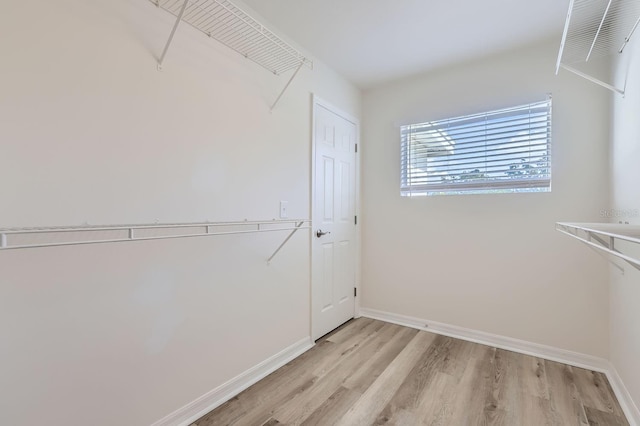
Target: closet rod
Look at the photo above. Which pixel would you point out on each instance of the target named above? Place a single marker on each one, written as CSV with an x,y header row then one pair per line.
x,y
23,238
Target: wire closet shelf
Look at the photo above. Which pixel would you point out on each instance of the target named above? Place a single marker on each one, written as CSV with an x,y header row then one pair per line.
x,y
236,29
596,28
603,238
231,26
24,238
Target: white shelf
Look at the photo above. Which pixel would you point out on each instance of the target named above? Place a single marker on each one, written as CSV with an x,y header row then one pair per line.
x,y
24,238
231,26
603,236
596,28
225,22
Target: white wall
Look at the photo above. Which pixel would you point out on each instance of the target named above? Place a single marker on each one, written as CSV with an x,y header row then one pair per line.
x,y
625,157
90,131
490,262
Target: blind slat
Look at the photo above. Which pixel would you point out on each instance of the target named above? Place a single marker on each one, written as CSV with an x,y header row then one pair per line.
x,y
509,113
472,125
471,139
432,156
504,173
476,127
492,169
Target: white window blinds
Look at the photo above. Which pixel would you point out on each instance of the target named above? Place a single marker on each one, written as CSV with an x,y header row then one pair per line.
x,y
508,150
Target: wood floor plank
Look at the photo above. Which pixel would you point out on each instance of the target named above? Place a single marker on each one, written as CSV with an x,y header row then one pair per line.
x,y
347,346
296,410
349,329
566,406
506,393
333,408
371,372
495,383
594,391
520,388
457,357
400,418
269,390
442,406
533,379
523,393
536,411
271,422
377,396
436,405
602,418
474,388
373,366
265,411
435,359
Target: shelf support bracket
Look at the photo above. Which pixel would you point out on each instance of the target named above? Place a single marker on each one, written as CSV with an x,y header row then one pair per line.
x,y
173,33
286,86
592,79
298,225
607,258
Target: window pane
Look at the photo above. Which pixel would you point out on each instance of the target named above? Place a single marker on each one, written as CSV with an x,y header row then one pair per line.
x,y
508,150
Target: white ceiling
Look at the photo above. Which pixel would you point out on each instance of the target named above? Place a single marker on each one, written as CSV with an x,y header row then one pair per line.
x,y
373,41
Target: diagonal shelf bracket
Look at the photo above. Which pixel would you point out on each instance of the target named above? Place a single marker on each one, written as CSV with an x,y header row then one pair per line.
x,y
286,240
172,34
286,86
592,79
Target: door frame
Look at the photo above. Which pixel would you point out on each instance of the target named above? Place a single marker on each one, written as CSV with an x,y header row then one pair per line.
x,y
318,101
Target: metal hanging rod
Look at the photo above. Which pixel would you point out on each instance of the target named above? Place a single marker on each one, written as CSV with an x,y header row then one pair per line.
x,y
592,79
23,238
231,26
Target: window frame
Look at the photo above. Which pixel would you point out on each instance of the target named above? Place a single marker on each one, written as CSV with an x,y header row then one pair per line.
x,y
477,186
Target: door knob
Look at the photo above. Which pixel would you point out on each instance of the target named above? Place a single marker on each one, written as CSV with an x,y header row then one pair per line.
x,y
320,233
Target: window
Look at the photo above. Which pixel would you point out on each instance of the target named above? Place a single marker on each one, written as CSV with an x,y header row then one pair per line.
x,y
508,150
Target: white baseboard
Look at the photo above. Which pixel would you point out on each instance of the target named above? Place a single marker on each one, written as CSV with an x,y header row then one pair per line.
x,y
624,397
521,346
216,397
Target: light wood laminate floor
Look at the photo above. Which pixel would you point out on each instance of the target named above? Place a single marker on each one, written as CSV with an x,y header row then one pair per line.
x,y
371,373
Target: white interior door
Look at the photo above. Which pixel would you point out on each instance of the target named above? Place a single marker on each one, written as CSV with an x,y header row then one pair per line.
x,y
333,216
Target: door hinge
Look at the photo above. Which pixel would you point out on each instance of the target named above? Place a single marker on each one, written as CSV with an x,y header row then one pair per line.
x,y
355,292
355,220
356,148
